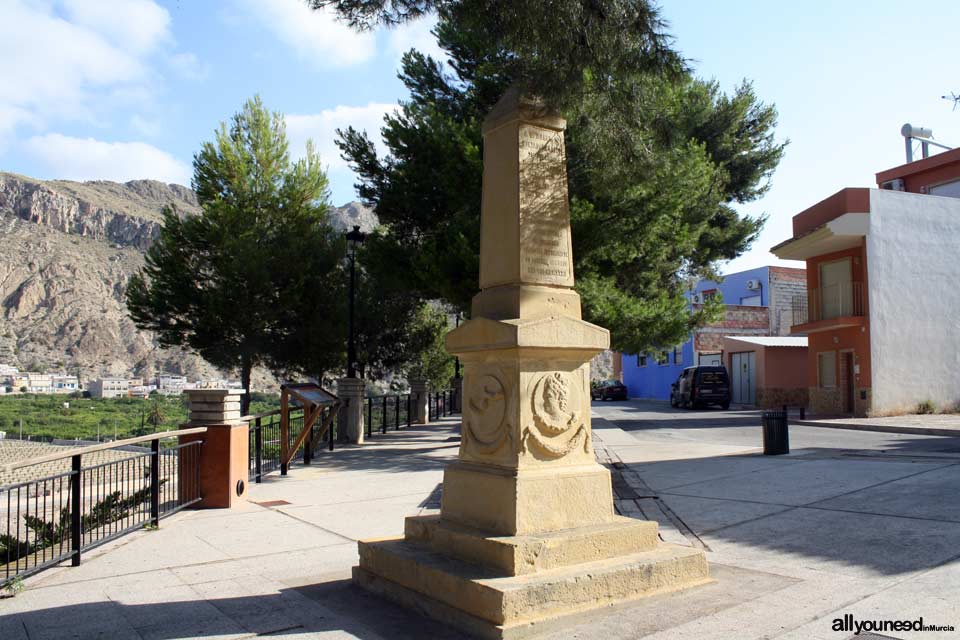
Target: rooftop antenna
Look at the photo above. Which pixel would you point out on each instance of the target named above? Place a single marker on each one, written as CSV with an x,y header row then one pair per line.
x,y
921,134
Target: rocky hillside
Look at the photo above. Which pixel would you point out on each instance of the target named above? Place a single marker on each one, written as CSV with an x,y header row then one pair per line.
x,y
67,251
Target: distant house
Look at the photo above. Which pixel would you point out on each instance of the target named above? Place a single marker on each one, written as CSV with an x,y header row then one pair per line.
x,y
171,385
63,383
881,307
39,383
757,302
109,388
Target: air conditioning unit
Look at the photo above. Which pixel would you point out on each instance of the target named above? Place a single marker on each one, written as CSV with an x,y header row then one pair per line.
x,y
753,285
698,298
894,185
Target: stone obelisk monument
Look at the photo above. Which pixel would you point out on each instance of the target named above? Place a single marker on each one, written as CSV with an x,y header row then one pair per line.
x,y
527,536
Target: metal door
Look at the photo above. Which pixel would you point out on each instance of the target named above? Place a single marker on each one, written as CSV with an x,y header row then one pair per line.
x,y
743,377
710,360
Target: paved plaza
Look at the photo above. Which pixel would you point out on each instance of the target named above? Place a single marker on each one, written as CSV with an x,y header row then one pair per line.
x,y
851,522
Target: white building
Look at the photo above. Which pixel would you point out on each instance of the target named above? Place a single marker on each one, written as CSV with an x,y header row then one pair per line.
x,y
110,388
171,385
63,383
39,383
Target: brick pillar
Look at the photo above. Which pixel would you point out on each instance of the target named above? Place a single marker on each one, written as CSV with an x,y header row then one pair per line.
x,y
418,391
225,454
351,392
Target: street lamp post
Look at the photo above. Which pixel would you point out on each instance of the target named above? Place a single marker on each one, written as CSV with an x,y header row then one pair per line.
x,y
354,239
456,359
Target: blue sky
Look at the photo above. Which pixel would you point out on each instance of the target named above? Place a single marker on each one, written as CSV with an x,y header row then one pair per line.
x,y
123,89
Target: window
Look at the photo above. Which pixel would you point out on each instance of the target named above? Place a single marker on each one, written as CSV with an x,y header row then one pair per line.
x,y
663,357
827,369
677,355
642,361
836,289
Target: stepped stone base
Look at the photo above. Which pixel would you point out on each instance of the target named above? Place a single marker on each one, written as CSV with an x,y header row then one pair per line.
x,y
518,586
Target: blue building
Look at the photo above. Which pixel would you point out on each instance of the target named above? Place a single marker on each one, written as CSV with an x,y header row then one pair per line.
x,y
758,302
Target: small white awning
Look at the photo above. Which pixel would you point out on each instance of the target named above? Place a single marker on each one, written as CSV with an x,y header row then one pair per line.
x,y
844,232
772,341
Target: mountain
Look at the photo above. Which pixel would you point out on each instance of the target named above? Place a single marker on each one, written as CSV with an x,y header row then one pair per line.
x,y
67,252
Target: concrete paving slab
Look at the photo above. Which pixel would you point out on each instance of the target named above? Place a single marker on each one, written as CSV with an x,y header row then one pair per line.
x,y
377,518
671,474
733,586
102,619
854,544
704,515
939,487
250,538
799,483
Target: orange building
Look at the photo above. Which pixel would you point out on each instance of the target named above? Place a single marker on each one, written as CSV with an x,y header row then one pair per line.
x,y
880,307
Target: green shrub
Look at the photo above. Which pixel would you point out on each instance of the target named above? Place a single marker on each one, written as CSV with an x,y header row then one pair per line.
x,y
926,407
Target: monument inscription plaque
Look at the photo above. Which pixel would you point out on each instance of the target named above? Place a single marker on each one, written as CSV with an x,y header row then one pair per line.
x,y
545,246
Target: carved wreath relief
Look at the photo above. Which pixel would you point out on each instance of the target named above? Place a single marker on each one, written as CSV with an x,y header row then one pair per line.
x,y
555,404
485,429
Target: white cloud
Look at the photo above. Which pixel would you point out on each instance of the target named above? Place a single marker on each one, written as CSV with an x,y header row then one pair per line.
x,y
321,128
75,60
133,25
89,159
316,35
186,65
415,35
47,64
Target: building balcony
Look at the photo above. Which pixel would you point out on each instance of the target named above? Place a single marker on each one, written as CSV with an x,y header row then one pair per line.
x,y
832,307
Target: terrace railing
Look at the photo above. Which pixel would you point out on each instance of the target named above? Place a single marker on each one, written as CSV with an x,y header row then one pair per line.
x,y
387,412
265,441
838,300
441,403
58,516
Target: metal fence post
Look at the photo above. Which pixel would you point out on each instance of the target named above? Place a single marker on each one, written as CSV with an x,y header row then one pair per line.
x,y
409,403
396,413
383,422
257,451
334,422
369,402
155,482
76,511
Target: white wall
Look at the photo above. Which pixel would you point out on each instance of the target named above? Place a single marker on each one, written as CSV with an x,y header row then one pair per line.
x,y
913,271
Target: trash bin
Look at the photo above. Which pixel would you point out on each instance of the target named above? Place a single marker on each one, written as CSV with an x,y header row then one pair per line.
x,y
776,439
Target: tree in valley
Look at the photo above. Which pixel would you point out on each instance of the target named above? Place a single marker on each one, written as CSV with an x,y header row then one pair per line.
x,y
657,158
252,280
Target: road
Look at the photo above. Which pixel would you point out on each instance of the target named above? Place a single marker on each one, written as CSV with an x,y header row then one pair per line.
x,y
658,422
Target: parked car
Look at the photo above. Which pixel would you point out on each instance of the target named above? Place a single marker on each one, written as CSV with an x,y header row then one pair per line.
x,y
609,390
701,386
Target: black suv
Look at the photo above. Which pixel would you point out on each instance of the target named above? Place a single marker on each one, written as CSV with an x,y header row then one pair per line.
x,y
609,390
700,386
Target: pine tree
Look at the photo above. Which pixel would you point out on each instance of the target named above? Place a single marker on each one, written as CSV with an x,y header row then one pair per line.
x,y
248,281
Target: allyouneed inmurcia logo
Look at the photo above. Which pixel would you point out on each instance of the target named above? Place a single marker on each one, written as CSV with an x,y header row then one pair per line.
x,y
849,623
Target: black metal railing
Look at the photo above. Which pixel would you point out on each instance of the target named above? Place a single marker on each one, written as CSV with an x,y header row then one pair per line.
x,y
266,438
440,403
57,517
387,412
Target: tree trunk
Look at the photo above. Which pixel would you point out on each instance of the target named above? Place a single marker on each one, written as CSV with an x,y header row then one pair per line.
x,y
245,366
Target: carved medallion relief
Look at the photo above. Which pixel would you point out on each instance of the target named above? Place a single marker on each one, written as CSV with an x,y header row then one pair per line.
x,y
486,425
558,427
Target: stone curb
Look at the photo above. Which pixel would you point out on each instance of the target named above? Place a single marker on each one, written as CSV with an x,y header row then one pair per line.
x,y
881,428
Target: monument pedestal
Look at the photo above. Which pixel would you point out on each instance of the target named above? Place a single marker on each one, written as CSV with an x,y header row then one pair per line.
x,y
527,537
